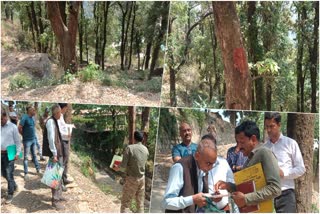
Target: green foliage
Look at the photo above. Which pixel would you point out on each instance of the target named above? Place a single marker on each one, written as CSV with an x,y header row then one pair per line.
x,y
68,77
88,169
20,80
153,85
90,73
107,81
266,67
7,46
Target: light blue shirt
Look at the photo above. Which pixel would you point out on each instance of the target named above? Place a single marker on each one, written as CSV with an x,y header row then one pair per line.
x,y
172,200
10,136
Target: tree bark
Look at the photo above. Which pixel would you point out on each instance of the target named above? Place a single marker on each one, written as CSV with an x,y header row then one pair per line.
x,y
145,123
132,123
147,56
236,72
301,128
164,24
81,23
105,14
68,115
66,35
132,34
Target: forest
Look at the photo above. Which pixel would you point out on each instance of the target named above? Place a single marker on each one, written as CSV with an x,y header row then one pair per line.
x,y
267,60
112,44
304,128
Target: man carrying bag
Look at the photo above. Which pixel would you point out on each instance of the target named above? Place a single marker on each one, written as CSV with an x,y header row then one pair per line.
x,y
52,147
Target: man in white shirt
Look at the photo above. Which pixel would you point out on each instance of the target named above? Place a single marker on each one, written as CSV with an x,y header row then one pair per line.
x,y
290,162
65,130
9,137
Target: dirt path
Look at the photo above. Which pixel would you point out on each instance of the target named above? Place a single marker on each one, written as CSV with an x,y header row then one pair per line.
x,y
33,196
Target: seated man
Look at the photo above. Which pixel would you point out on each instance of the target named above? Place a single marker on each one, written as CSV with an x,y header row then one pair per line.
x,y
187,179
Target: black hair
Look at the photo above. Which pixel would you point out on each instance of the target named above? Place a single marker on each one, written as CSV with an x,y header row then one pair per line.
x,y
273,115
249,128
62,105
28,107
210,137
138,136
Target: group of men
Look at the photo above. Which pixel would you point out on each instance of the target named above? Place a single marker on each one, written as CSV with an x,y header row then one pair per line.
x,y
198,170
56,138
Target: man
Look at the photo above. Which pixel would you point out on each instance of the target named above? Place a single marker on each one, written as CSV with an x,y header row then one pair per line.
x,y
186,147
235,158
188,179
29,139
290,162
44,118
248,136
134,161
52,147
9,136
13,115
65,130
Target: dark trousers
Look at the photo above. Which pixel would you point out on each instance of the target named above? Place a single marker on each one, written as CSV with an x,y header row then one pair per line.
x,y
7,169
56,193
65,153
286,202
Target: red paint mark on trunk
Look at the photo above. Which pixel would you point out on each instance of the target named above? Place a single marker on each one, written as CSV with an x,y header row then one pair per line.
x,y
240,60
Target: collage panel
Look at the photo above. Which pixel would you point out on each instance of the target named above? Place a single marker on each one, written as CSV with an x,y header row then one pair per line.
x,y
187,135
99,158
246,55
102,52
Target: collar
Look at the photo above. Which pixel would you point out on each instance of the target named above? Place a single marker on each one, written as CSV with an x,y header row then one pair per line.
x,y
6,123
255,150
279,139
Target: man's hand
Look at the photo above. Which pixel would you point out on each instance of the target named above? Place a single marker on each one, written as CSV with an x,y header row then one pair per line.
x,y
16,157
55,159
222,185
281,173
217,199
239,199
116,168
199,200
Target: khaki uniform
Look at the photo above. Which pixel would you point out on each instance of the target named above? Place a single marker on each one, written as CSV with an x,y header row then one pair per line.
x,y
134,160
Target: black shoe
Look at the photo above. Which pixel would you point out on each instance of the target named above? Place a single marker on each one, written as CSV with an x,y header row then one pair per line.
x,y
66,182
9,199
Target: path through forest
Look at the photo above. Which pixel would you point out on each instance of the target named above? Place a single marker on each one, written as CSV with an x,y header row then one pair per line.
x,y
84,197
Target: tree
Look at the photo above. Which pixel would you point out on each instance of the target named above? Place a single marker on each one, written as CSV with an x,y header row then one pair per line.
x,y
236,72
145,123
301,128
65,32
132,123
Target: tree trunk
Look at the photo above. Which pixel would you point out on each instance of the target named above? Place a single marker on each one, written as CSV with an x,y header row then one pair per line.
x,y
68,115
145,123
147,56
32,28
172,73
66,35
123,22
236,72
132,123
97,17
301,128
132,34
216,85
314,56
138,39
105,21
81,23
164,24
126,35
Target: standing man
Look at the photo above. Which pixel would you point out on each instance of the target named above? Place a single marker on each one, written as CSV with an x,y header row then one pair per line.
x,y
235,158
29,139
13,115
65,130
248,136
186,147
188,179
290,162
134,161
9,136
52,147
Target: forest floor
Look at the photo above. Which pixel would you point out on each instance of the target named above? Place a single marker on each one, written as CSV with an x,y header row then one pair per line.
x,y
84,194
76,91
163,163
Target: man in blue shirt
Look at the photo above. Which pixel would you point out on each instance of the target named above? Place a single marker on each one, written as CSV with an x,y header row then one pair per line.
x,y
29,139
186,147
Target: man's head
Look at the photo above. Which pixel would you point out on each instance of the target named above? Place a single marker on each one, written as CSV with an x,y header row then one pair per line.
x,y
31,111
206,154
272,123
56,111
46,112
4,117
185,133
63,107
11,108
247,136
138,136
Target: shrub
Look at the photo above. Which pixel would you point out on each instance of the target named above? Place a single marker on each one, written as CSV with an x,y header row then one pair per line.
x,y
68,77
153,85
90,73
107,81
21,80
